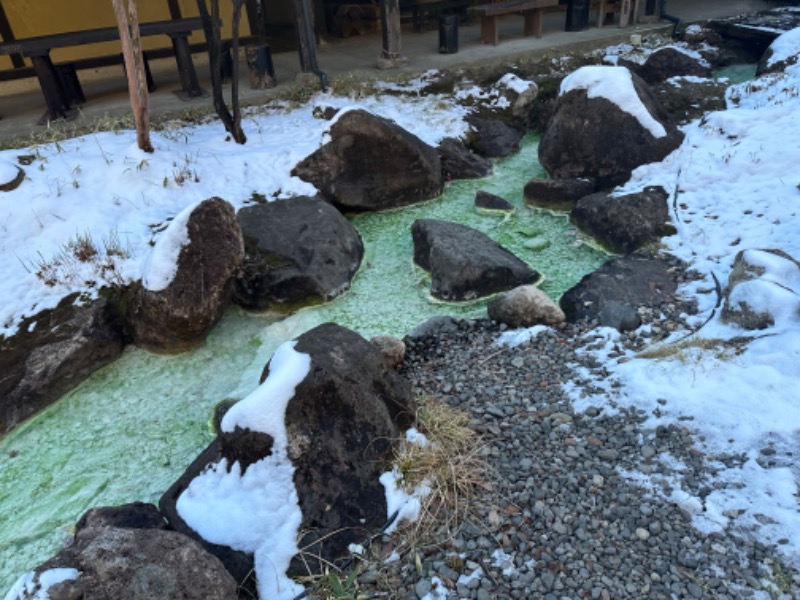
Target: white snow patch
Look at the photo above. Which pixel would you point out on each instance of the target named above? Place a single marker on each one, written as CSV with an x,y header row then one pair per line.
x,y
406,505
161,265
517,337
35,587
256,511
615,85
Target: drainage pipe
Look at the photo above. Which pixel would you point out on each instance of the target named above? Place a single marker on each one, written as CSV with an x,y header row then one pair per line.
x,y
675,20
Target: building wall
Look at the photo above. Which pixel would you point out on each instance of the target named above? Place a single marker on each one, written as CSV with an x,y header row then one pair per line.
x,y
29,18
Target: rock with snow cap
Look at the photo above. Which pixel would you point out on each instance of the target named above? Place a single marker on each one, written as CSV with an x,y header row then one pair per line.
x,y
783,52
670,61
189,280
606,123
763,290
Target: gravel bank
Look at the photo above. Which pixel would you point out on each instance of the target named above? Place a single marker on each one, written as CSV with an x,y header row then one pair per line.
x,y
562,521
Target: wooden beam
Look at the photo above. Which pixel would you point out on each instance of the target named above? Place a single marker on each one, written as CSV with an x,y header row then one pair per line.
x,y
8,36
391,52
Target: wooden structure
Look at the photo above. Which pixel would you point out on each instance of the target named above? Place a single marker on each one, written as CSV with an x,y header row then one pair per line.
x,y
628,11
531,10
58,98
420,11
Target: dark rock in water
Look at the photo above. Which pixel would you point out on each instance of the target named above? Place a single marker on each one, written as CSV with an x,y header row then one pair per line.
x,y
372,164
633,281
525,306
126,552
341,424
623,224
459,163
755,32
669,62
297,251
464,263
488,201
595,138
52,352
180,316
762,287
622,317
557,194
492,138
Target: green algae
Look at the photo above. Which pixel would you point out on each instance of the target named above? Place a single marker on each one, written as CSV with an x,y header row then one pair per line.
x,y
128,431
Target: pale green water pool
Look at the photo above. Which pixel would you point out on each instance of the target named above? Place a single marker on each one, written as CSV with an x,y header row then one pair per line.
x,y
129,430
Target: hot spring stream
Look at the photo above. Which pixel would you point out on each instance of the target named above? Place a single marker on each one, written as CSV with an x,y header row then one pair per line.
x,y
131,429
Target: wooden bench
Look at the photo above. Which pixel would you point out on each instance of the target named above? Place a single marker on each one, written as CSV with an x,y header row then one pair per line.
x,y
59,99
628,11
421,10
532,10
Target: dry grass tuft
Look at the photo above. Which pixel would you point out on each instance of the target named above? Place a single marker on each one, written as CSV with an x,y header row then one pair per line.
x,y
450,466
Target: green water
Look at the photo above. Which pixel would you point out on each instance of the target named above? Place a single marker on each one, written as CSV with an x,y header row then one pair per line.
x,y
129,430
738,73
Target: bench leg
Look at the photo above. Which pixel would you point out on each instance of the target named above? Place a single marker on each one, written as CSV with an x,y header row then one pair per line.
x,y
183,56
490,33
533,22
54,96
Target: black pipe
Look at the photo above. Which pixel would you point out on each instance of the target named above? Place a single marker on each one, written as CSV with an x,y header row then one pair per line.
x,y
310,38
670,18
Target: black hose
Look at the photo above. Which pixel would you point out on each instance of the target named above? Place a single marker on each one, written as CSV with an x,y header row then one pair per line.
x,y
675,20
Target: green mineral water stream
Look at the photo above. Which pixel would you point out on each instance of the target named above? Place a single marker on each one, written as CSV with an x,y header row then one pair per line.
x,y
129,430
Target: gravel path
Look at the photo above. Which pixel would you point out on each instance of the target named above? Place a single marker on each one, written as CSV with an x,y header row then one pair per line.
x,y
561,521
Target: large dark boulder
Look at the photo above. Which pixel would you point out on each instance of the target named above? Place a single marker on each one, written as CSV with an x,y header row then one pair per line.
x,y
624,284
493,138
300,250
340,426
670,61
127,553
623,224
458,162
52,352
590,135
464,263
179,316
372,163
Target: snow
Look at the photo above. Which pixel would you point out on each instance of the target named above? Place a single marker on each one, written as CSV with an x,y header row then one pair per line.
x,y
785,46
101,183
35,587
161,264
734,183
615,85
8,172
256,511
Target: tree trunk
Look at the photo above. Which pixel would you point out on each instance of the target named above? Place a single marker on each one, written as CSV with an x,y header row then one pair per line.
x,y
211,28
128,23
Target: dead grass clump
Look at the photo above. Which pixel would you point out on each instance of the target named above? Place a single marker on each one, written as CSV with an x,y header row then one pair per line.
x,y
450,466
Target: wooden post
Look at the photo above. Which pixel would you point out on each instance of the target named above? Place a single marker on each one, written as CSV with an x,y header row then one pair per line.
x,y
391,53
304,31
128,23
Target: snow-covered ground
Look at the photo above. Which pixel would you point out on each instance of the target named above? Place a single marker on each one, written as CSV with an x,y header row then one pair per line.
x,y
735,183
